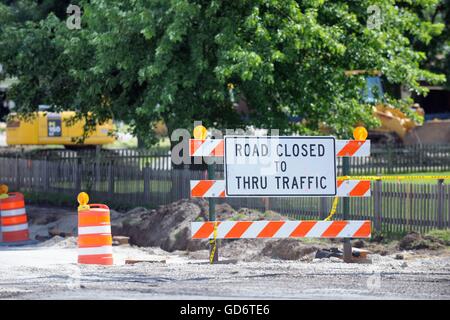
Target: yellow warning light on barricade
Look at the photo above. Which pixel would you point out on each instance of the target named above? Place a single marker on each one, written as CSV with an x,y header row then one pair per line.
x,y
3,191
83,199
200,132
360,133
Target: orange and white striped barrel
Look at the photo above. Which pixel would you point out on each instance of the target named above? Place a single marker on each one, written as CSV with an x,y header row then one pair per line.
x,y
14,218
94,235
281,229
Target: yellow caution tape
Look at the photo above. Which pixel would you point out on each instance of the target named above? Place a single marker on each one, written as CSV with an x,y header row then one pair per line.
x,y
372,178
213,243
375,178
333,208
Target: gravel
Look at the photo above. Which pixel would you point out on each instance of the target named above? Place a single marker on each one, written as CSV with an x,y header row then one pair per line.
x,y
50,271
263,269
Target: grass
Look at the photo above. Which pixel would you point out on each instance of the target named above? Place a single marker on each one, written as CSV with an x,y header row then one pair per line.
x,y
443,235
50,198
124,186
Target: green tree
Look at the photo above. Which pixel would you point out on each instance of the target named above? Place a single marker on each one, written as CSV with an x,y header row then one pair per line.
x,y
146,60
20,11
438,49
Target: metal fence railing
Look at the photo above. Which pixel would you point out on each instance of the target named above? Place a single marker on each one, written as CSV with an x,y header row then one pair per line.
x,y
143,177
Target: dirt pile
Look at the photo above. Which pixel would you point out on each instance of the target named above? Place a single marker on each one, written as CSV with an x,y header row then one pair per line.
x,y
415,241
46,222
168,227
289,249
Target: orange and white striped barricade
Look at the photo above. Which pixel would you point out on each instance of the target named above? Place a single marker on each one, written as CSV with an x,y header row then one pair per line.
x,y
281,229
94,235
14,223
215,148
352,148
353,188
206,147
207,188
216,188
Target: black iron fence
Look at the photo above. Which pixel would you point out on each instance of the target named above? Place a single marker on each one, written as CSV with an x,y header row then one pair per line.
x,y
147,178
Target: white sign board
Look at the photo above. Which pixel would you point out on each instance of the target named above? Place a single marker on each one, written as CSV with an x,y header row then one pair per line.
x,y
280,166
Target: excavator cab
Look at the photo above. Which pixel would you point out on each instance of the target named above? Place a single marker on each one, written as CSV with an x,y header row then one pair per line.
x,y
395,124
373,92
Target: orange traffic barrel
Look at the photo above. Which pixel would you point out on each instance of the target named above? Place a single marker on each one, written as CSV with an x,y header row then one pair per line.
x,y
94,235
13,218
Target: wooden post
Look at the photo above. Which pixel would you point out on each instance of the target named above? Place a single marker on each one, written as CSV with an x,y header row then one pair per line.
x,y
17,173
440,203
146,171
97,167
323,208
346,208
78,174
46,173
110,179
377,205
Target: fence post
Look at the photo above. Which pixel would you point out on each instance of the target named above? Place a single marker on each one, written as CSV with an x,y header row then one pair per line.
x,y
97,168
17,173
323,208
46,171
110,179
377,205
440,203
175,173
145,172
78,174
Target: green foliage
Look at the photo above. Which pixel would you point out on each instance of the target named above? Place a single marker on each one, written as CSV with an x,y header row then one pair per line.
x,y
142,61
51,198
438,48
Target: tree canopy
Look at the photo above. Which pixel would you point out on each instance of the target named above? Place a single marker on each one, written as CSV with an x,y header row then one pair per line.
x,y
142,61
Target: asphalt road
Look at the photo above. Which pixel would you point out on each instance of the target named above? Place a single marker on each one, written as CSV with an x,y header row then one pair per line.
x,y
52,273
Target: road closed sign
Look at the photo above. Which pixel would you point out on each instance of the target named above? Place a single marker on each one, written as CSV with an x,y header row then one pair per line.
x,y
279,166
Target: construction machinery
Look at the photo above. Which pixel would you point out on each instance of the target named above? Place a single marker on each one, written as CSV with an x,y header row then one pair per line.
x,y
47,128
396,126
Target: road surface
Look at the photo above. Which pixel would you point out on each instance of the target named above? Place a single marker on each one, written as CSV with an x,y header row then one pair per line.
x,y
50,271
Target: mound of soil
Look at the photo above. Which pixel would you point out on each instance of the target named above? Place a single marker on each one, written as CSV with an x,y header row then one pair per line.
x,y
168,227
415,241
288,249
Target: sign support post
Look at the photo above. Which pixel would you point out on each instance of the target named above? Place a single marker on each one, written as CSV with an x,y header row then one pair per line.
x,y
346,205
346,208
212,213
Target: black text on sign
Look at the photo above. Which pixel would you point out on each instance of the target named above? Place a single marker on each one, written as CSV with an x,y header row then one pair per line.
x,y
280,166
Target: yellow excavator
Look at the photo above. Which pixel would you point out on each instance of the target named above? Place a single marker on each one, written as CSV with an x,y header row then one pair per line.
x,y
47,128
396,126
